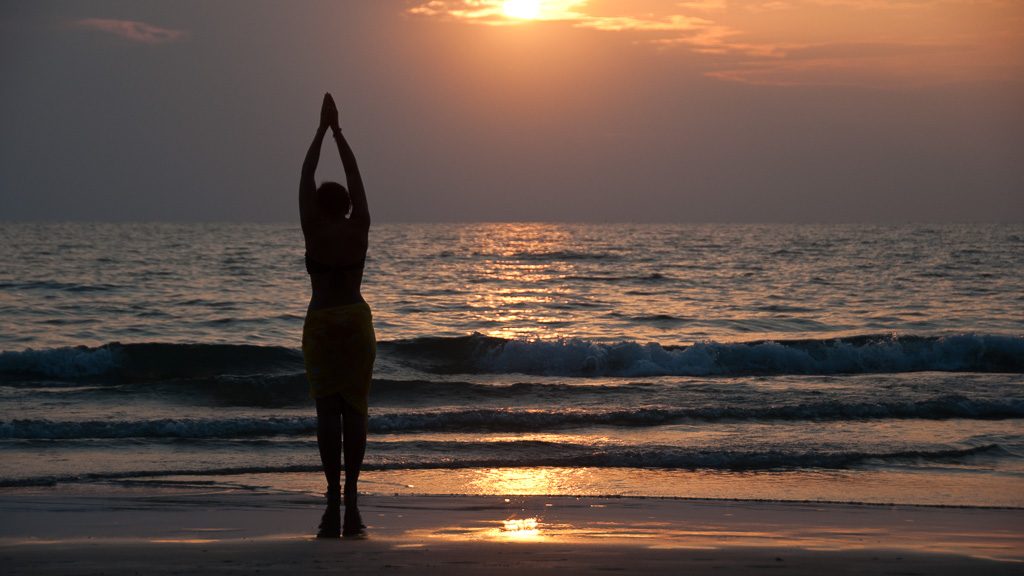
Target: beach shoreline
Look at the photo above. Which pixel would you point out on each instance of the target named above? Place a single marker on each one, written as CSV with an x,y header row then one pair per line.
x,y
110,530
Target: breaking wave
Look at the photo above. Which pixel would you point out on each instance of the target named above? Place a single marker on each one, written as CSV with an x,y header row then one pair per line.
x,y
582,358
514,420
479,354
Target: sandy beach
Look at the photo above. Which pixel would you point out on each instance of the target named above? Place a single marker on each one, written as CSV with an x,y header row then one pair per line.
x,y
103,530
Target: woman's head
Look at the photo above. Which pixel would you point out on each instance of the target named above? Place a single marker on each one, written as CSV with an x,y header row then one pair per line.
x,y
332,199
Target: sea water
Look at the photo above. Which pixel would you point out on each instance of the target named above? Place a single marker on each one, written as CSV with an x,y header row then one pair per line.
x,y
853,363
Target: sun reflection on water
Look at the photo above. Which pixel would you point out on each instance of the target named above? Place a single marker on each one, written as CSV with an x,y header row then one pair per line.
x,y
520,481
516,286
521,529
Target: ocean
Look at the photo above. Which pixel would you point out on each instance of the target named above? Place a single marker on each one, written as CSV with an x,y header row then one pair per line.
x,y
851,363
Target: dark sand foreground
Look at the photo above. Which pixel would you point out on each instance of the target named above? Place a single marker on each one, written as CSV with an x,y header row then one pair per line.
x,y
117,531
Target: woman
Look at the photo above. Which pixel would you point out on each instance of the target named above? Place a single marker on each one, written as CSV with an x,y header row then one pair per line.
x,y
338,342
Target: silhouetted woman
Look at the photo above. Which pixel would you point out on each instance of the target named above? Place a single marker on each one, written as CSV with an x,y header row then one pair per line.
x,y
338,342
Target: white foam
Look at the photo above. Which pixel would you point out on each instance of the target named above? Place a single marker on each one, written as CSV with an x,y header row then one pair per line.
x,y
68,362
574,357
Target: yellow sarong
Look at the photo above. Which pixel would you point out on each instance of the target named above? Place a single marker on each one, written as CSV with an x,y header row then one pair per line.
x,y
339,348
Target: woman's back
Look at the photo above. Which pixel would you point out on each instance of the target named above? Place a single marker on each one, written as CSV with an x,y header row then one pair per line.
x,y
335,255
336,241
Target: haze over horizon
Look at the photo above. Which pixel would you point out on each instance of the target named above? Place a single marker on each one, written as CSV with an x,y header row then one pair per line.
x,y
483,110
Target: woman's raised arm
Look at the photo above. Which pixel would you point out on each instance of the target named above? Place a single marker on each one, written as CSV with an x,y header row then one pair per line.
x,y
307,182
360,209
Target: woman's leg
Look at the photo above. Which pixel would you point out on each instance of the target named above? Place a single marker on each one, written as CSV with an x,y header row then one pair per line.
x,y
328,439
355,424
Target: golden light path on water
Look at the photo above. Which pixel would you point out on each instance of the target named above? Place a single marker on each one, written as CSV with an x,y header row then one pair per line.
x,y
519,310
520,290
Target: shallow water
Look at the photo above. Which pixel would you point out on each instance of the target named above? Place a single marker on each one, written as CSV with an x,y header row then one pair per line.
x,y
714,354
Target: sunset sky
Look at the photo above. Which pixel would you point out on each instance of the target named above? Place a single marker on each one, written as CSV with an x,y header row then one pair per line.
x,y
599,110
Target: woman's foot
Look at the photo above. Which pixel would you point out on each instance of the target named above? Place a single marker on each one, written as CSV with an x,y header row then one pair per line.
x,y
330,522
354,527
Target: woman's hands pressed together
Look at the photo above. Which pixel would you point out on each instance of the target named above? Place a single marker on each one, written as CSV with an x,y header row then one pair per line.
x,y
329,113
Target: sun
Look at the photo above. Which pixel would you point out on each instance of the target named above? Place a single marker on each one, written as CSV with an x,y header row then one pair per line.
x,y
522,9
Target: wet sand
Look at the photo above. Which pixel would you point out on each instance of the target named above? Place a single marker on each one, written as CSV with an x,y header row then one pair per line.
x,y
121,531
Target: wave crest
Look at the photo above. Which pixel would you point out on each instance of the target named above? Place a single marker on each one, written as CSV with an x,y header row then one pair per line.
x,y
149,361
479,354
582,358
512,420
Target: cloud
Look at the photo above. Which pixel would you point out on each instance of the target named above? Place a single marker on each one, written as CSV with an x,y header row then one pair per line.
x,y
703,5
890,63
571,12
463,10
132,30
492,12
672,23
797,41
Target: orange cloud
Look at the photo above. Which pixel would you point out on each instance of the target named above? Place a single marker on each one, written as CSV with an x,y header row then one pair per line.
x,y
847,64
800,41
671,23
132,30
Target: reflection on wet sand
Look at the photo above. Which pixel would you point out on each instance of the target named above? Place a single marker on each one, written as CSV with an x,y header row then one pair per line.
x,y
183,540
665,536
521,529
719,526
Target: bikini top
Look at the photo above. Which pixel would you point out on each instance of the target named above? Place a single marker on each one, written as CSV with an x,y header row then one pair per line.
x,y
316,267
